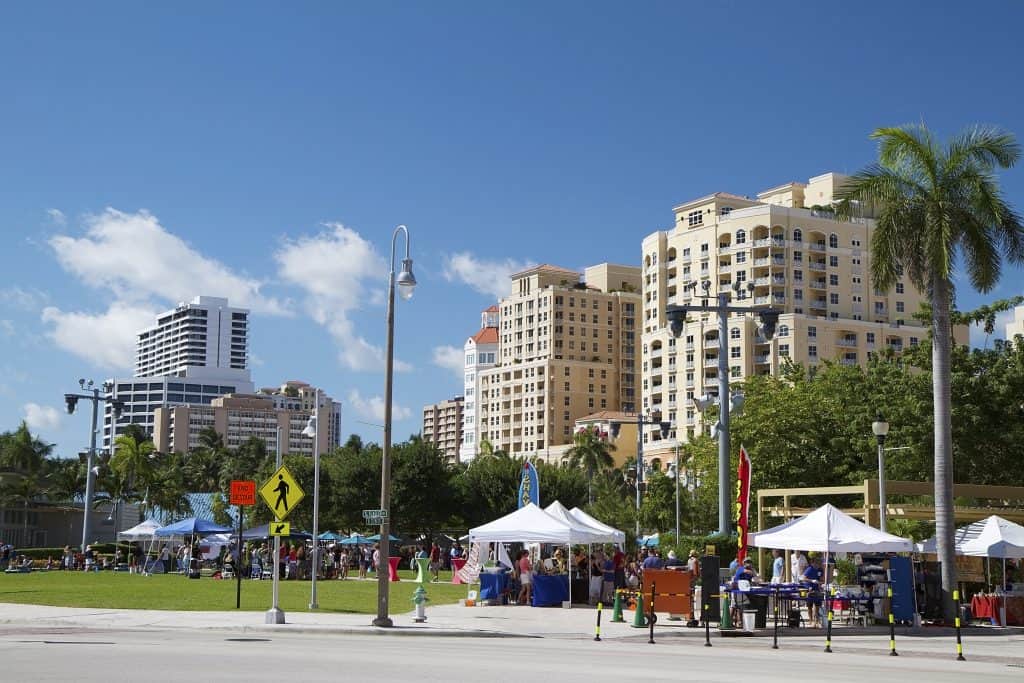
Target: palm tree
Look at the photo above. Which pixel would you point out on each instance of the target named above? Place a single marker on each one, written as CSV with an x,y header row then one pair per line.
x,y
23,452
939,207
23,489
593,452
133,461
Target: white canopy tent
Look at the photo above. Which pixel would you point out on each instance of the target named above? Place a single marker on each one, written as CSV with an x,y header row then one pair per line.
x,y
828,529
143,531
561,513
989,537
611,534
528,524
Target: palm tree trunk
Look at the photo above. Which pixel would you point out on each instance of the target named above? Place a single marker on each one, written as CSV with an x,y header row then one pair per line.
x,y
944,517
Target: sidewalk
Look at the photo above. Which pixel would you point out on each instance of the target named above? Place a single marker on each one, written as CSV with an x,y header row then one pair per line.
x,y
522,622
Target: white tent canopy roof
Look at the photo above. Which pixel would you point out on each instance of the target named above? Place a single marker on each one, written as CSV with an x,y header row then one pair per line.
x,y
584,532
528,524
142,531
989,537
611,534
829,529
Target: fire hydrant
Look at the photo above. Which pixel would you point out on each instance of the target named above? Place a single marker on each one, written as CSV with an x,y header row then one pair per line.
x,y
420,599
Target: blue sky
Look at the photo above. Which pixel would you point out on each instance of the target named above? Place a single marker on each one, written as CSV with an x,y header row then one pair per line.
x,y
274,151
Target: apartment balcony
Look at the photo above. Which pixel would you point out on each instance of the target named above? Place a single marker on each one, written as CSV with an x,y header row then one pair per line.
x,y
689,346
778,259
763,242
817,266
779,299
711,343
758,300
847,361
760,339
762,359
817,246
778,242
762,261
818,284
654,353
711,362
686,258
778,279
819,303
761,281
847,343
725,268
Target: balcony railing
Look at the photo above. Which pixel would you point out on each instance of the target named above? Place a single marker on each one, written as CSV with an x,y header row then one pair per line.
x,y
762,359
847,343
816,246
817,265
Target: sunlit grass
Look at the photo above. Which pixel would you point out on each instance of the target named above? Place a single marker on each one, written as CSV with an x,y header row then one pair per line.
x,y
176,592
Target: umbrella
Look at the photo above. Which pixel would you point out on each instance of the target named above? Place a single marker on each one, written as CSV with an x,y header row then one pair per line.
x,y
355,540
190,527
376,537
331,536
263,531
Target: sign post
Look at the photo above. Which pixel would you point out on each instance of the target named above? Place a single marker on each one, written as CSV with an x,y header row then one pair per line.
x,y
243,492
281,493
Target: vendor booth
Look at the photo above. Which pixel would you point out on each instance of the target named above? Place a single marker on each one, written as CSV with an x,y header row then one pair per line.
x,y
531,524
992,537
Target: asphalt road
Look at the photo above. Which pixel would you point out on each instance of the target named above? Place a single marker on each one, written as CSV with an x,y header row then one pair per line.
x,y
80,654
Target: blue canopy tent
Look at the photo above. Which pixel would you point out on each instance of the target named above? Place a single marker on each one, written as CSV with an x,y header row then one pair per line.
x,y
191,527
355,540
331,536
376,537
263,531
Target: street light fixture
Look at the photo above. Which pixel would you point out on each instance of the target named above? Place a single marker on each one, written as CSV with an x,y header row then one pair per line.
x,y
406,282
71,401
769,318
312,430
641,420
881,429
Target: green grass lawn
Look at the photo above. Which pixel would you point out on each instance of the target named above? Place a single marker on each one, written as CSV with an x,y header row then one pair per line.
x,y
175,592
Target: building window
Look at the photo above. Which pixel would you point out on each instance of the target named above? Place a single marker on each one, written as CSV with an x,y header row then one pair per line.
x,y
798,256
741,237
833,241
899,307
695,218
783,330
833,280
833,261
734,333
741,257
735,351
899,288
833,298
812,332
798,295
812,351
784,350
798,235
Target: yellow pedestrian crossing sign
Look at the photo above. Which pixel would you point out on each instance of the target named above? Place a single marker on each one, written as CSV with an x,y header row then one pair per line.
x,y
281,492
280,529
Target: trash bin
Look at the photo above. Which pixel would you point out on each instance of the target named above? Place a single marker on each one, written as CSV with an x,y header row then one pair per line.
x,y
749,620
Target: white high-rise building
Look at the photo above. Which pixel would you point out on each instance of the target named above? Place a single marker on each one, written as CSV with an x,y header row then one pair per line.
x,y
1016,324
193,354
481,353
206,333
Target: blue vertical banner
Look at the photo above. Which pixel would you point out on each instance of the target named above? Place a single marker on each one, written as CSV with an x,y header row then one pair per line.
x,y
529,485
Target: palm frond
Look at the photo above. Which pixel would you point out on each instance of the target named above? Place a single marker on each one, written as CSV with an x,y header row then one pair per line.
x,y
910,150
988,146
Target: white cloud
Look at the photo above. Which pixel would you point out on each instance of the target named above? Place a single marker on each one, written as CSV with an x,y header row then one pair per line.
x,y
23,299
6,328
340,272
137,258
105,339
372,407
57,216
450,358
41,418
486,277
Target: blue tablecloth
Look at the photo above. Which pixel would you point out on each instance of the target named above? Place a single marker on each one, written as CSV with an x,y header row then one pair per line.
x,y
550,590
492,585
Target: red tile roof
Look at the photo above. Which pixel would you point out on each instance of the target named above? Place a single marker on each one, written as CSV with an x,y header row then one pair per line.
x,y
486,335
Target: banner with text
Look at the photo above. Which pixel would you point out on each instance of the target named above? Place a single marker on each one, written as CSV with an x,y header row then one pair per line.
x,y
529,486
470,572
742,503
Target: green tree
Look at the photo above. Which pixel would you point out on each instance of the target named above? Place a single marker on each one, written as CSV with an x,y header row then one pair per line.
x,y
423,497
939,206
133,461
168,488
487,487
20,451
592,451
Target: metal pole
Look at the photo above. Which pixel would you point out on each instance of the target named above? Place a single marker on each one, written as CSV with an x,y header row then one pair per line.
x,y
723,415
881,483
383,578
677,490
639,466
274,615
90,476
316,502
238,569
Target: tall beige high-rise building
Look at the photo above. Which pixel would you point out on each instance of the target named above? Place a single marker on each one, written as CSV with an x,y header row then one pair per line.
x,y
1016,325
442,425
785,250
567,347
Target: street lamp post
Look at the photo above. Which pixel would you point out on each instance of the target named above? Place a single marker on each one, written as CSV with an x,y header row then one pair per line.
x,y
406,282
677,317
71,400
881,428
312,429
641,420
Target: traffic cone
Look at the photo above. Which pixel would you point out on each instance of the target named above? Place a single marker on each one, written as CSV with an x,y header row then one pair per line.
x,y
639,620
617,608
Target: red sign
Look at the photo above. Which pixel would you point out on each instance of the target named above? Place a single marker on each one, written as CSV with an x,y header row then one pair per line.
x,y
742,503
243,492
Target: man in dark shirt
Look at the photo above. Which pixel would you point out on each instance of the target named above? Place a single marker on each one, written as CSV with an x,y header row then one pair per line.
x,y
673,561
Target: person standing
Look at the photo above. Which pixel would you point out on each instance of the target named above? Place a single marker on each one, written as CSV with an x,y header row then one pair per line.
x,y
778,566
797,565
165,557
525,578
435,562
